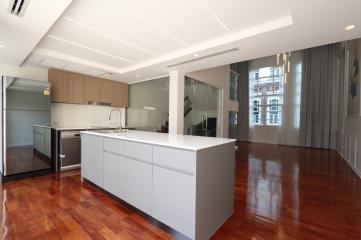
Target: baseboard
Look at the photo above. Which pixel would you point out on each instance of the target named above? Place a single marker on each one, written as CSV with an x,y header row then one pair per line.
x,y
358,173
20,144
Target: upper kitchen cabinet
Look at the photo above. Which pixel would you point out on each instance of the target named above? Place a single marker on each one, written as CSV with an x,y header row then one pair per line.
x,y
120,94
76,88
107,91
92,89
59,85
125,91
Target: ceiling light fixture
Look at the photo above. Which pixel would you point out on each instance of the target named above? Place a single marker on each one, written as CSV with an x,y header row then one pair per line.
x,y
90,49
214,15
284,61
109,36
349,27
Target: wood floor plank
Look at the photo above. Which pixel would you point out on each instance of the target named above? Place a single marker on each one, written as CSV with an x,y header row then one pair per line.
x,y
280,193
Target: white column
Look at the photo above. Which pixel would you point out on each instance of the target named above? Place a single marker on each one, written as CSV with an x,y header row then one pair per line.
x,y
176,102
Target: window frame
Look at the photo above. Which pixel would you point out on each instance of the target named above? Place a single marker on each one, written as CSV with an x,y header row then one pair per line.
x,y
265,90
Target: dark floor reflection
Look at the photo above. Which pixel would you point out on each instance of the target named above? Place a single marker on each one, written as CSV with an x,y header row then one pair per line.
x,y
25,159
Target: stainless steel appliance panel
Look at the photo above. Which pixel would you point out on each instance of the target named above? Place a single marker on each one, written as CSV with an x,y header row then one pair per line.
x,y
70,150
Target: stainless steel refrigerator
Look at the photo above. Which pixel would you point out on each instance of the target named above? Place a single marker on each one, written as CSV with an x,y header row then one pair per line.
x,y
26,132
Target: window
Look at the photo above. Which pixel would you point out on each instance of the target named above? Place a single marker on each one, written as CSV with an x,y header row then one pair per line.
x,y
266,96
234,80
256,112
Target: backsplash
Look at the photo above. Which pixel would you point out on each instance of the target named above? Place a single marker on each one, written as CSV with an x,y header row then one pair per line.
x,y
74,115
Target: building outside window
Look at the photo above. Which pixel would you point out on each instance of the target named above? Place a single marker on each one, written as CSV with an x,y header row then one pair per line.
x,y
266,96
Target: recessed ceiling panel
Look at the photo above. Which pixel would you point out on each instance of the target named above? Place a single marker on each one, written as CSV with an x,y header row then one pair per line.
x,y
239,15
58,45
188,20
110,17
85,35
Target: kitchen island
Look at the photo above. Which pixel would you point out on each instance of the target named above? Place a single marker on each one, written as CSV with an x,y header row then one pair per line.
x,y
185,182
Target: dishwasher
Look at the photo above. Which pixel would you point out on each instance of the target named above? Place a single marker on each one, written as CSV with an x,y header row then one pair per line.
x,y
69,150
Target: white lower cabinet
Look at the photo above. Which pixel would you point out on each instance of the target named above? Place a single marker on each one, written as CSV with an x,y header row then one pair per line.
x,y
129,179
92,158
47,142
174,199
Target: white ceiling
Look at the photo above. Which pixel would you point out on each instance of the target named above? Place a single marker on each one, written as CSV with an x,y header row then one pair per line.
x,y
20,35
137,39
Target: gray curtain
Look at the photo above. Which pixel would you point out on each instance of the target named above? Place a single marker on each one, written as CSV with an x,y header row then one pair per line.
x,y
322,95
243,92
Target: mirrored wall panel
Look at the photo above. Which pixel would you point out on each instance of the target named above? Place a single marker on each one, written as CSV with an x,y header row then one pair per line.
x,y
26,122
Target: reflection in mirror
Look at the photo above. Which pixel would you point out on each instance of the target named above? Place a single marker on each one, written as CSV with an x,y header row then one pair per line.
x,y
26,117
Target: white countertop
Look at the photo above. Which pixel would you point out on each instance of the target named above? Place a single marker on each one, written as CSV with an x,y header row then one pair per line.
x,y
41,126
164,139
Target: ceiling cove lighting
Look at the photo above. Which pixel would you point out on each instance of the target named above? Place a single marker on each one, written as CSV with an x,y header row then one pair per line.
x,y
349,27
109,36
90,49
214,15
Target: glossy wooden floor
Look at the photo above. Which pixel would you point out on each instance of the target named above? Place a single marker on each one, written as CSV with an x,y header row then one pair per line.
x,y
25,159
280,193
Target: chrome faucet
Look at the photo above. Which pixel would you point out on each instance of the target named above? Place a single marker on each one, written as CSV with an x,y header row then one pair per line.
x,y
120,117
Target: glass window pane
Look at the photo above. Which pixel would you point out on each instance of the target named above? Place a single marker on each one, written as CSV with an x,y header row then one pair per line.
x,y
266,96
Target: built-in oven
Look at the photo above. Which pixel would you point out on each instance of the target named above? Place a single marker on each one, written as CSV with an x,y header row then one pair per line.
x,y
69,150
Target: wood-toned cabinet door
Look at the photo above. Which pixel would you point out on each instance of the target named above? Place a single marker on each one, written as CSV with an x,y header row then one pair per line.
x,y
92,89
125,90
120,95
76,88
59,85
107,91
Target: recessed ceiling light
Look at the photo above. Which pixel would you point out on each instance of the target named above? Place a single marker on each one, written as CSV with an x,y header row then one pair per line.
x,y
2,46
196,55
349,27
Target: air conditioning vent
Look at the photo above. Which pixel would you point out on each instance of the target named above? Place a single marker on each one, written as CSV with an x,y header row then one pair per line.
x,y
18,7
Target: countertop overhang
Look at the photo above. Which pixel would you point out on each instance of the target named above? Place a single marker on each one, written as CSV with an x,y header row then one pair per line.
x,y
192,143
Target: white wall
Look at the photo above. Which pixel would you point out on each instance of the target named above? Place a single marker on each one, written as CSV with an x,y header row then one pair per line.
x,y
74,115
288,133
219,77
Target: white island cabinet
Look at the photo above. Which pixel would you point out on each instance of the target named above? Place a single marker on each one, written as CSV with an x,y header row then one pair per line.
x,y
185,182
